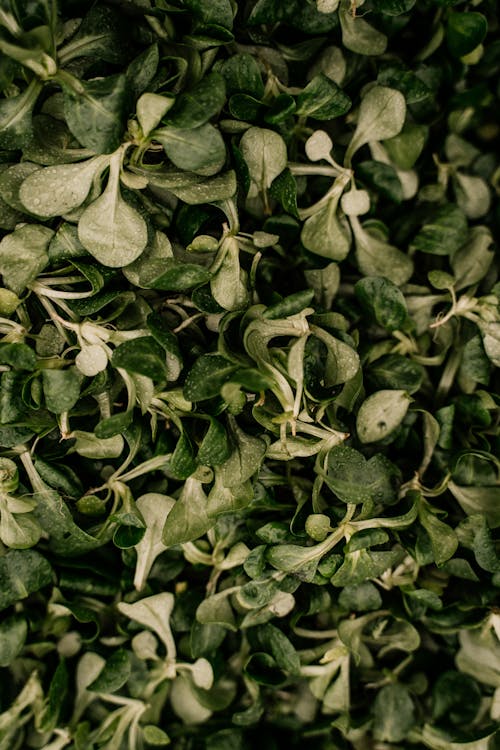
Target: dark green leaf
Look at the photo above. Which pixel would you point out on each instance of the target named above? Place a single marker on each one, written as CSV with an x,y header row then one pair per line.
x,y
13,632
383,301
456,697
382,178
284,189
95,111
188,518
242,74
16,117
214,448
114,674
355,480
207,376
394,7
200,104
21,573
395,372
322,99
18,356
465,31
200,150
61,389
142,355
101,35
442,233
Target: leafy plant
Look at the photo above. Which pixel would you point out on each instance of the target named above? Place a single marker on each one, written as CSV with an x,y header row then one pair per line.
x,y
250,326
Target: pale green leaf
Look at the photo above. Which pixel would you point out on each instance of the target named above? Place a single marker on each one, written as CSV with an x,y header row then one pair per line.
x,y
381,414
381,115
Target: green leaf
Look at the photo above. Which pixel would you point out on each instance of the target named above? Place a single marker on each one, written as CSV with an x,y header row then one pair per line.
x,y
218,12
245,459
381,414
394,714
342,362
150,109
284,189
154,509
58,189
95,111
405,148
227,284
327,234
465,31
171,275
455,696
472,194
90,446
291,558
394,7
182,462
382,300
53,515
16,117
322,99
61,389
114,425
214,448
11,180
276,642
207,376
480,499
443,539
142,355
216,610
395,372
443,232
48,717
362,564
362,597
222,499
23,255
471,261
114,674
153,612
242,74
265,154
18,356
200,150
109,228
13,632
355,202
19,531
479,655
101,35
263,669
65,244
357,34
22,572
200,104
188,518
375,257
141,70
193,188
381,115
356,480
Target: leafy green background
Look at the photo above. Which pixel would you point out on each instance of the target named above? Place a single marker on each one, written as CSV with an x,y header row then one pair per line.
x,y
250,337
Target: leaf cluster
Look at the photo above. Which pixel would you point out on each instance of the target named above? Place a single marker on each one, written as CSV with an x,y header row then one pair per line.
x,y
249,350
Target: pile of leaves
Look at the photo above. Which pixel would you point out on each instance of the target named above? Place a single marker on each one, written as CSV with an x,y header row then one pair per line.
x,y
249,474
